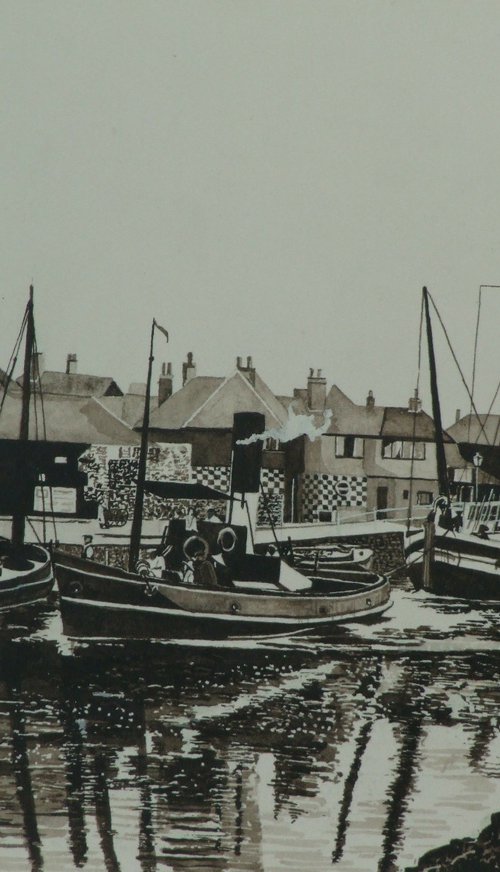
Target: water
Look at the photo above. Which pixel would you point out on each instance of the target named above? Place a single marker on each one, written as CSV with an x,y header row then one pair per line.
x,y
358,752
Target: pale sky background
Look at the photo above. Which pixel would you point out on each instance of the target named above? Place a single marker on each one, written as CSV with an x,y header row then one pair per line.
x,y
268,178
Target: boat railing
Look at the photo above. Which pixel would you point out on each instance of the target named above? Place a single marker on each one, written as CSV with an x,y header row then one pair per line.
x,y
396,514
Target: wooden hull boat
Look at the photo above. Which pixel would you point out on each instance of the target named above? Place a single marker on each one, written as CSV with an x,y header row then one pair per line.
x,y
26,575
457,562
325,559
463,565
117,602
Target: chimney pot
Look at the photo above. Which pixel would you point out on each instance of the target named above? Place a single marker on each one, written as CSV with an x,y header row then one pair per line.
x,y
188,369
414,403
458,415
370,400
249,363
71,364
239,362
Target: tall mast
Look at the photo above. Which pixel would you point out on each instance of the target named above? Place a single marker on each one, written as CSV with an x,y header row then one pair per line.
x,y
444,487
18,517
135,534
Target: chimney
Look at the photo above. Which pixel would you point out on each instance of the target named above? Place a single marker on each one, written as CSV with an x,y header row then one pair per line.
x,y
165,383
370,400
458,415
316,390
37,365
414,403
188,369
71,364
248,370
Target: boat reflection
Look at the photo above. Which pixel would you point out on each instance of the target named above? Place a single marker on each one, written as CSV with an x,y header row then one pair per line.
x,y
210,759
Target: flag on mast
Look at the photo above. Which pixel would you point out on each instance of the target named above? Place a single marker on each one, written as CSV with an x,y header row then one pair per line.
x,y
162,329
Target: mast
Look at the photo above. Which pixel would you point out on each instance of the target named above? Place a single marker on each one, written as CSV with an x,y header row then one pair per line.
x,y
444,487
135,533
18,517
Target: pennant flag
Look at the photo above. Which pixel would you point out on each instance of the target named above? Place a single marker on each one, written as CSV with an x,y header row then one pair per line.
x,y
162,329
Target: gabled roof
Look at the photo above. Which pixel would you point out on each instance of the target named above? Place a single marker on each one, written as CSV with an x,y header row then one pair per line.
x,y
351,419
479,429
75,384
387,422
174,412
68,419
210,403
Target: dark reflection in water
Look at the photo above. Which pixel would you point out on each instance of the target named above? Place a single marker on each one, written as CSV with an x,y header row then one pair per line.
x,y
288,754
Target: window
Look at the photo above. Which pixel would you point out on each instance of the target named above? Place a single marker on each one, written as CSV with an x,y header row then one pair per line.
x,y
348,446
406,494
272,445
424,498
60,459
403,449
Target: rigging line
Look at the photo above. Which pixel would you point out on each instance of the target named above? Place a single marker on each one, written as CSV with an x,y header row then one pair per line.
x,y
455,358
419,366
474,360
37,537
13,359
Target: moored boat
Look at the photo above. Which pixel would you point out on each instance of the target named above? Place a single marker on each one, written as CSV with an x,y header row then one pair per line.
x,y
260,595
208,581
26,574
443,557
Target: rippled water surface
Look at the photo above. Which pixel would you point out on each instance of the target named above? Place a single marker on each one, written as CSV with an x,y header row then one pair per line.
x,y
359,751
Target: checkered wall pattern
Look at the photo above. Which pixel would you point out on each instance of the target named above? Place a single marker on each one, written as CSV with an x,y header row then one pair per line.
x,y
217,477
273,485
322,492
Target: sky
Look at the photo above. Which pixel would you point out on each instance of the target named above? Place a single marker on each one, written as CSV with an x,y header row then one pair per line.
x,y
275,179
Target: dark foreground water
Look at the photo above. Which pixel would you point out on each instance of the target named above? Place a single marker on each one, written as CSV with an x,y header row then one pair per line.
x,y
359,752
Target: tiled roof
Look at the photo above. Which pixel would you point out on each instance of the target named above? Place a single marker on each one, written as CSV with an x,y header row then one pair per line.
x,y
210,403
174,412
77,384
481,429
399,423
67,419
130,407
351,419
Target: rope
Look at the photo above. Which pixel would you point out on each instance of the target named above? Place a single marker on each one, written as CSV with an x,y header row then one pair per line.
x,y
474,361
456,362
13,358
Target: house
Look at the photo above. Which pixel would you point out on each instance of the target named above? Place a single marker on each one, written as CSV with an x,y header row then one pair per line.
x,y
200,415
474,461
371,457
71,383
67,436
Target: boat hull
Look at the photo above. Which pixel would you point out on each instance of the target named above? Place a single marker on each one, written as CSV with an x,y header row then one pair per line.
x,y
111,600
26,577
463,566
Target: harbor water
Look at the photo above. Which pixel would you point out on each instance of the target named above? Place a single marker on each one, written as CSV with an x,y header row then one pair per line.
x,y
356,751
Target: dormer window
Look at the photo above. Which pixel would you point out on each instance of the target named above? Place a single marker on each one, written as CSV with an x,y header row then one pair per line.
x,y
349,446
